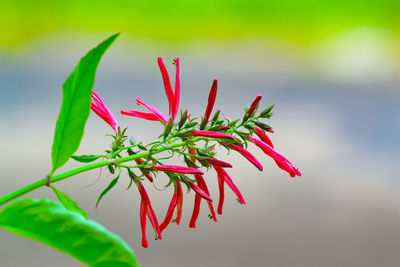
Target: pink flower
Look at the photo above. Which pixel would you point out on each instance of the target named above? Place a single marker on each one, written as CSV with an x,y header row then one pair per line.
x,y
223,177
173,97
154,114
254,105
146,209
211,134
176,201
177,169
247,155
197,200
219,163
102,110
280,160
263,136
211,100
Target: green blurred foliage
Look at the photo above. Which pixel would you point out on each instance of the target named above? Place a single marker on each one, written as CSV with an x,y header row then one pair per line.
x,y
300,21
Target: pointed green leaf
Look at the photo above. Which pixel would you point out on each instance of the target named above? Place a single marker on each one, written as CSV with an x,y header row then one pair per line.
x,y
87,158
108,188
75,107
68,203
49,222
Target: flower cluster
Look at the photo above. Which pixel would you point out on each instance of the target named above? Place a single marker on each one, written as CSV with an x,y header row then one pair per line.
x,y
233,135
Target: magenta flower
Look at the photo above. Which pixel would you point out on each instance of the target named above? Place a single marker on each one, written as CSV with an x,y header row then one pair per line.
x,y
197,200
211,134
211,100
102,110
219,163
223,177
177,169
247,155
254,105
146,209
154,114
280,160
176,201
263,136
173,97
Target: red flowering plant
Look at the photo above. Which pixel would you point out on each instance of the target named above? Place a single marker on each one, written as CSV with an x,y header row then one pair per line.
x,y
180,137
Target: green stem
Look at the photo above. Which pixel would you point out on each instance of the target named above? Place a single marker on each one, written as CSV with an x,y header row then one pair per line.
x,y
56,178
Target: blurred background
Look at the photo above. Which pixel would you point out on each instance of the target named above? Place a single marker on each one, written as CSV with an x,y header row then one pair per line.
x,y
330,67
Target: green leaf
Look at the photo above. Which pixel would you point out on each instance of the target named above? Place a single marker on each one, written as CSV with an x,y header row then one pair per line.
x,y
75,107
68,203
49,222
87,158
108,188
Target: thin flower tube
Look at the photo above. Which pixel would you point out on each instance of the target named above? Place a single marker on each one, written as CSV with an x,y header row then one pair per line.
x,y
211,100
280,160
146,209
212,134
177,169
103,111
247,155
202,184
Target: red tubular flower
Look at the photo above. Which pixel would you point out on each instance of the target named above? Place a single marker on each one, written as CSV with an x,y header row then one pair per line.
x,y
211,134
145,173
200,192
177,88
211,100
179,202
142,115
177,169
146,209
170,211
263,136
219,163
254,105
173,98
154,115
102,110
280,160
223,177
202,184
247,155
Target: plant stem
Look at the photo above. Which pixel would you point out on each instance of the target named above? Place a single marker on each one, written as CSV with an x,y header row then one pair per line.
x,y
56,178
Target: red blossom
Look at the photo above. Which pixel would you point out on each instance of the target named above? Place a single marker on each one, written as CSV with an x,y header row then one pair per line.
x,y
280,160
219,163
247,155
211,134
197,200
199,191
223,178
263,136
146,209
211,100
254,105
103,111
173,97
177,169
